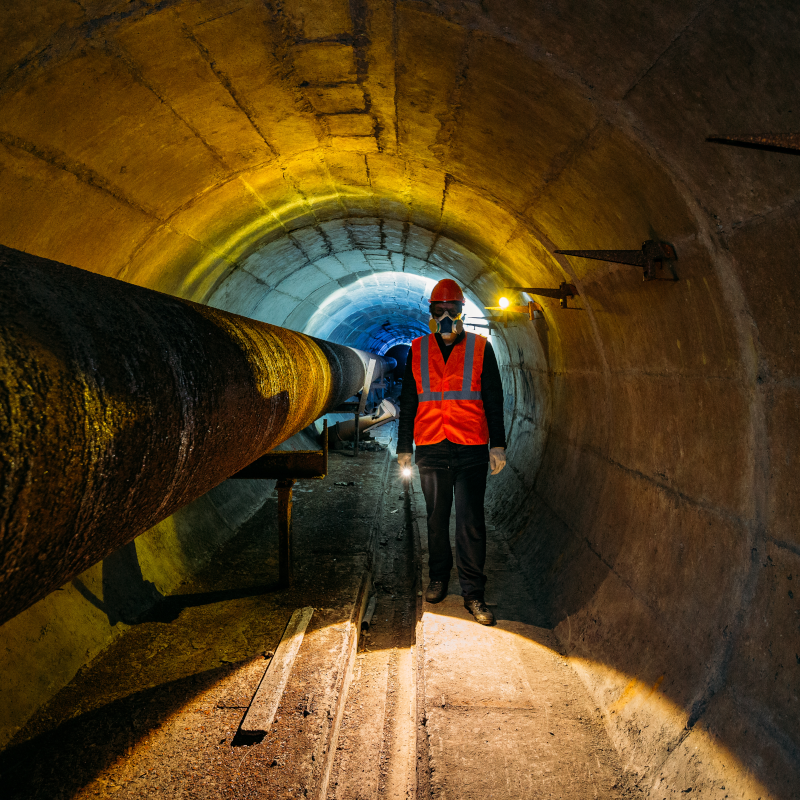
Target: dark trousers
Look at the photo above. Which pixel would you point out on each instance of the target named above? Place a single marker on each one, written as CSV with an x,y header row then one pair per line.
x,y
468,485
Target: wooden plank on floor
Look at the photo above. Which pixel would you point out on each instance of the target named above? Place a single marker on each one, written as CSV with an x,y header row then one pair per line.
x,y
268,695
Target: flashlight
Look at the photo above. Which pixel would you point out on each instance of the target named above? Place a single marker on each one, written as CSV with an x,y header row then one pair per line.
x,y
406,472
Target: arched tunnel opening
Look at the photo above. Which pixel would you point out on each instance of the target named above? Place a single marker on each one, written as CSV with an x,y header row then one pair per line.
x,y
207,205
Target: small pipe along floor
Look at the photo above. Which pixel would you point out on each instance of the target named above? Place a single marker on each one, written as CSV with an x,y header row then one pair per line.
x,y
426,704
376,754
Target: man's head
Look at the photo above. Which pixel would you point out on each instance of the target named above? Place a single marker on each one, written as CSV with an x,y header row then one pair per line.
x,y
446,306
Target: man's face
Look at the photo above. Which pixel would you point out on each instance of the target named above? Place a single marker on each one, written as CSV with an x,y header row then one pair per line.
x,y
453,309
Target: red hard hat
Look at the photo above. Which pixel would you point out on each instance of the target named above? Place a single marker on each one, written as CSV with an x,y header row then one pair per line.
x,y
447,291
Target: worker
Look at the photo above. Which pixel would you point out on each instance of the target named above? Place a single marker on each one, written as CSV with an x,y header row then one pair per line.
x,y
451,407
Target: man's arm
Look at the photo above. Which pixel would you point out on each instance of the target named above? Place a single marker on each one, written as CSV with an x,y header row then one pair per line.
x,y
408,408
492,396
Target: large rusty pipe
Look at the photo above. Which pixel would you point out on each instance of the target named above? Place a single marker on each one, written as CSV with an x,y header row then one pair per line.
x,y
119,405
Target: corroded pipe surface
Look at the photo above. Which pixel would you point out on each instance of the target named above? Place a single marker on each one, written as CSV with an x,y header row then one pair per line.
x,y
119,405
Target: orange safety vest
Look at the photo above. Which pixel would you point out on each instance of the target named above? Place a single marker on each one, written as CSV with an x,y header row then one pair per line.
x,y
450,404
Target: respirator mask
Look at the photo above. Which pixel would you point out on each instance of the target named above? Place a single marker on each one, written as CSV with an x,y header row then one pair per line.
x,y
446,320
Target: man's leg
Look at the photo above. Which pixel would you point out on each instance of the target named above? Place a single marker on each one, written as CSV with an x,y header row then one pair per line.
x,y
437,486
470,489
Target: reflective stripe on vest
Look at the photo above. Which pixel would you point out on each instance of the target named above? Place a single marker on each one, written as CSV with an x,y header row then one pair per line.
x,y
448,408
427,396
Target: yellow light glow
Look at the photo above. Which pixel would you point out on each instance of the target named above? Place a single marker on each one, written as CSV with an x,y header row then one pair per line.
x,y
504,303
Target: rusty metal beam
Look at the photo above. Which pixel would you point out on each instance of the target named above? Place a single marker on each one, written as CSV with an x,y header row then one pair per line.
x,y
119,405
284,464
287,466
651,255
285,501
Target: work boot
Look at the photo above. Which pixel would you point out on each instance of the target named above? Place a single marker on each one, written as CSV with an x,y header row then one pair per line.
x,y
437,591
478,609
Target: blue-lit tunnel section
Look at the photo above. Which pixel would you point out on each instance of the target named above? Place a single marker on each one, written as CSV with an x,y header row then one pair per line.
x,y
349,282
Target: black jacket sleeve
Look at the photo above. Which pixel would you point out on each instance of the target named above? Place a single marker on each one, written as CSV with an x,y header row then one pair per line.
x,y
408,409
491,394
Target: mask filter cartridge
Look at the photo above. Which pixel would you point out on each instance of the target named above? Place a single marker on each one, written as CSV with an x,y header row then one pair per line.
x,y
445,324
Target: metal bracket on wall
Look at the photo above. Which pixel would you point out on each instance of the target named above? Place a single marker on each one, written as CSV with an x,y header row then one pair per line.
x,y
286,467
563,293
651,255
761,141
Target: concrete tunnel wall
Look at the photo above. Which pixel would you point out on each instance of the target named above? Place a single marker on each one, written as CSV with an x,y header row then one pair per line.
x,y
651,495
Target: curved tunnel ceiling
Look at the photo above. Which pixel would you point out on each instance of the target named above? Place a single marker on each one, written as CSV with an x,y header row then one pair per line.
x,y
256,126
234,153
355,282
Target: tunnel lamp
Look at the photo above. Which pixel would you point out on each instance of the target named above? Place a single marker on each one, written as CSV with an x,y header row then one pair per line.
x,y
506,308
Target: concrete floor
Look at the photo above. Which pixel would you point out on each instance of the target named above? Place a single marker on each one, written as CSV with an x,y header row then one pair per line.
x,y
503,713
442,707
438,706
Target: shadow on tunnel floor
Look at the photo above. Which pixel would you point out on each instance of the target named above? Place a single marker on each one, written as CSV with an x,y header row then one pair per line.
x,y
170,608
561,571
58,763
198,652
180,649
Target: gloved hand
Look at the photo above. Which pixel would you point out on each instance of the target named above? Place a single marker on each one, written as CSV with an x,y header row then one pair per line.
x,y
404,460
497,459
